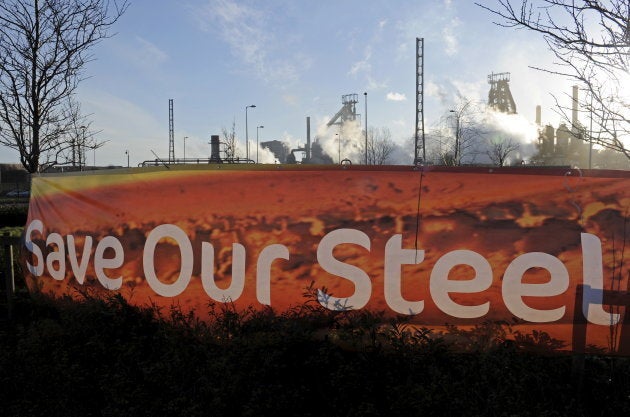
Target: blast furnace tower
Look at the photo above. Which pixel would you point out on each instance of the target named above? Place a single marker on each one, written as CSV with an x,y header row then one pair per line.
x,y
500,97
348,110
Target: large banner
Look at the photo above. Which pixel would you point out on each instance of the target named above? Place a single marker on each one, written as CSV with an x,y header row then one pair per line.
x,y
546,250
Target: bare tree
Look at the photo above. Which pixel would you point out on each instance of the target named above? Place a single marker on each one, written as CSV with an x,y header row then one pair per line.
x,y
499,150
466,133
44,47
229,138
591,41
379,146
78,138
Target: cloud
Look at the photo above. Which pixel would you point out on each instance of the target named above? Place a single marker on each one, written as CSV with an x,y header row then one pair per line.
x,y
391,96
251,40
450,90
126,126
373,84
149,52
143,54
362,65
475,90
451,43
403,50
435,90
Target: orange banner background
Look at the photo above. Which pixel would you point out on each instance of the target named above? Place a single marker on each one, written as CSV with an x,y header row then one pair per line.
x,y
284,218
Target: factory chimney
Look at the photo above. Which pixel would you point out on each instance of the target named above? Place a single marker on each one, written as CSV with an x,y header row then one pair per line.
x,y
574,113
215,156
308,139
538,115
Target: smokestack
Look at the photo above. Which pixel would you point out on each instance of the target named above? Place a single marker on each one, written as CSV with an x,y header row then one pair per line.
x,y
538,115
215,156
308,138
574,115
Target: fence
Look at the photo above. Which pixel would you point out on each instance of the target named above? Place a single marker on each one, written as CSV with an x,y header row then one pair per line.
x,y
8,252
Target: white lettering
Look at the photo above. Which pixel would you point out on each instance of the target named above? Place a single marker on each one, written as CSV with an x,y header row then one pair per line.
x,y
238,273
440,286
514,289
593,277
101,263
263,270
79,269
360,279
395,257
37,270
58,254
186,252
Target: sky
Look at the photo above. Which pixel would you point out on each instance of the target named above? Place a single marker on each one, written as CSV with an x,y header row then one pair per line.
x,y
293,60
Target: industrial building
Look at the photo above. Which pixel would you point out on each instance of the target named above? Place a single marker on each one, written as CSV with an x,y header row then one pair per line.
x,y
564,145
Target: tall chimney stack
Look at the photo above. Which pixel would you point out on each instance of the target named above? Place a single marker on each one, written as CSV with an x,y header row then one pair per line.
x,y
215,155
574,113
538,115
308,139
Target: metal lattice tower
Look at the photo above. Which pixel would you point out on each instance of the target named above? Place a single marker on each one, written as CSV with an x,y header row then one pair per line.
x,y
500,97
420,148
171,132
348,110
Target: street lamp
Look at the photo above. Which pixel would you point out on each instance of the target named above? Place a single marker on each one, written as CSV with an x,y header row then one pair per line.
x,y
366,145
185,137
246,131
339,142
455,159
96,146
590,138
82,149
257,127
127,153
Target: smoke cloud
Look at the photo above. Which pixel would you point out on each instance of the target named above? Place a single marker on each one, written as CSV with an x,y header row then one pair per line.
x,y
514,127
347,141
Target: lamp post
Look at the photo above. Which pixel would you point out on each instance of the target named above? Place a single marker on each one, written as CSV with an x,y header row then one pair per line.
x,y
127,153
455,159
185,137
246,131
339,142
366,133
590,138
257,127
82,158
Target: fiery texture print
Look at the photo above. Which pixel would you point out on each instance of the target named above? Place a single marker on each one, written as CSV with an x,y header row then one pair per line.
x,y
490,215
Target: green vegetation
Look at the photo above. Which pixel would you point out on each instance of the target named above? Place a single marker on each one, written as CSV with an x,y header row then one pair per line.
x,y
13,212
15,231
105,357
